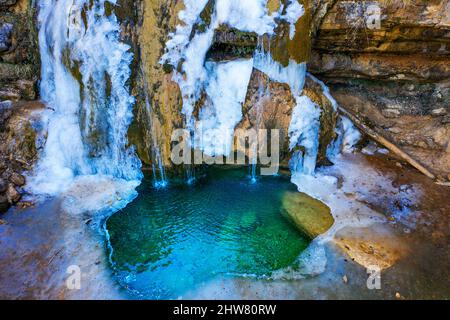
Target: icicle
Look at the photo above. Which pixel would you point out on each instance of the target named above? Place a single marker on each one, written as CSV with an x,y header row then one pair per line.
x,y
85,69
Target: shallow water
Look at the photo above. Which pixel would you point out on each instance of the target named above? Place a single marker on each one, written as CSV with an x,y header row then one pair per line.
x,y
172,240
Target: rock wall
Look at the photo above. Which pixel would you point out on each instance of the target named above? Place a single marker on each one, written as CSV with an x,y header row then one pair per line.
x,y
158,107
21,132
159,102
394,77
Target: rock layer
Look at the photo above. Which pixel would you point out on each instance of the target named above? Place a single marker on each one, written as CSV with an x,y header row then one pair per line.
x,y
394,77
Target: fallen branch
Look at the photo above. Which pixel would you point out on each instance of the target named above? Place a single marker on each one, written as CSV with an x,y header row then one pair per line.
x,y
383,141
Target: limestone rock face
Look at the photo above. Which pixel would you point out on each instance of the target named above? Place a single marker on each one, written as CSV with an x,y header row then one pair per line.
x,y
310,216
275,108
393,76
158,107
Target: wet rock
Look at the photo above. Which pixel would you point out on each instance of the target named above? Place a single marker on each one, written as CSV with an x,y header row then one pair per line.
x,y
24,132
282,47
328,119
312,217
159,18
13,195
274,111
17,179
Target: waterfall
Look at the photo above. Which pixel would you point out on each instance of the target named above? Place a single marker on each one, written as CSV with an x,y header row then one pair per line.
x,y
156,157
85,69
197,77
157,160
305,124
347,134
226,88
188,47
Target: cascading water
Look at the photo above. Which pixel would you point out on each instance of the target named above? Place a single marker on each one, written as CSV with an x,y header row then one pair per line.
x,y
157,160
85,69
196,76
262,94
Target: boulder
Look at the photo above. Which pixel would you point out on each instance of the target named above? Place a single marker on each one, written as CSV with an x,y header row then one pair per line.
x,y
312,217
12,194
17,179
376,246
274,110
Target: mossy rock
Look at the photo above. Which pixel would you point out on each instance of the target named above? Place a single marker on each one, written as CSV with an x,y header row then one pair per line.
x,y
312,217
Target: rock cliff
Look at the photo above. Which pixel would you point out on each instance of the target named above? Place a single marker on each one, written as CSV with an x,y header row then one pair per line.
x,y
393,76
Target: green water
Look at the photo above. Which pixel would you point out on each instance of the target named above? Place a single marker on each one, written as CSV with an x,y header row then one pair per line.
x,y
170,241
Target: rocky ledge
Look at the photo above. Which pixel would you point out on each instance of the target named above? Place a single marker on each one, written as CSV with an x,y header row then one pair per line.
x,y
394,77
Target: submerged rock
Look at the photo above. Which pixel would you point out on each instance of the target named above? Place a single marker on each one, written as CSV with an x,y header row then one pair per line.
x,y
312,217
